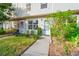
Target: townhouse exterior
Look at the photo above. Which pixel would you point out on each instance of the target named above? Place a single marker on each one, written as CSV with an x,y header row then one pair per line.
x,y
27,9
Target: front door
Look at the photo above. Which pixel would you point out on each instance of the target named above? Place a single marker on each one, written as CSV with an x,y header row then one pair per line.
x,y
46,28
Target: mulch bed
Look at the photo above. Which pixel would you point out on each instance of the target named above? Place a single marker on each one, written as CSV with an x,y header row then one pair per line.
x,y
58,50
55,51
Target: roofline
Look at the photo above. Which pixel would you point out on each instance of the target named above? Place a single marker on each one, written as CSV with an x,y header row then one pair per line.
x,y
30,17
38,16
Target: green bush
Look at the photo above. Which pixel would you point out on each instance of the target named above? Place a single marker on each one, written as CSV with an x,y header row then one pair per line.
x,y
72,35
34,34
39,31
66,50
2,31
38,34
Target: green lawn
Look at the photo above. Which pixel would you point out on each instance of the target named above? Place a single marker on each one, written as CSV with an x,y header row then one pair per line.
x,y
14,45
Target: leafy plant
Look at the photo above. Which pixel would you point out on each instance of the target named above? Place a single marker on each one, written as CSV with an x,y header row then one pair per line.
x,y
2,31
39,31
72,34
64,27
63,23
3,8
66,50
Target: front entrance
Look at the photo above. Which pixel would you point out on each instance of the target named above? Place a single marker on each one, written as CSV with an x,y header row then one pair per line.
x,y
46,28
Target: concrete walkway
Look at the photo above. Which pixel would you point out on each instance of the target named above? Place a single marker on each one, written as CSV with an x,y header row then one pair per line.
x,y
39,48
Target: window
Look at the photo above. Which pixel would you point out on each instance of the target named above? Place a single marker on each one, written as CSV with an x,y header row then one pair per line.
x,y
30,26
28,7
30,22
43,5
33,24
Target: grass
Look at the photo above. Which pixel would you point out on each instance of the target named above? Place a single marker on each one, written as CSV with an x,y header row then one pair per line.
x,y
14,45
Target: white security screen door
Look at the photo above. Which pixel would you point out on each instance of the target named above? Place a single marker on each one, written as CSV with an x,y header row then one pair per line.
x,y
46,28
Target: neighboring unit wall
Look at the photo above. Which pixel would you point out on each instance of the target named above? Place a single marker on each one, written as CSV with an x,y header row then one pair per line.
x,y
65,6
8,25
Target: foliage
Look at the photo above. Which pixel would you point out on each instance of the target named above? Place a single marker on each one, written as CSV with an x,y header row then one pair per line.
x,y
64,27
3,7
72,35
2,31
63,22
39,31
38,34
14,45
3,17
34,33
10,31
66,50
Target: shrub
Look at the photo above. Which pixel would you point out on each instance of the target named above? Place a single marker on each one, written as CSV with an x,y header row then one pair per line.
x,y
38,34
10,31
2,31
39,31
72,35
66,50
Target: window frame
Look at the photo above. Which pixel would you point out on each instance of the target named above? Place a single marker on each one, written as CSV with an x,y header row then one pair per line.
x,y
43,5
33,24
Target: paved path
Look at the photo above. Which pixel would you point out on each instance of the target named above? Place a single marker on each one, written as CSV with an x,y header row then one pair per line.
x,y
39,48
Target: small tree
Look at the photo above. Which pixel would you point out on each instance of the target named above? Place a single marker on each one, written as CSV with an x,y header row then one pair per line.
x,y
61,22
3,8
3,17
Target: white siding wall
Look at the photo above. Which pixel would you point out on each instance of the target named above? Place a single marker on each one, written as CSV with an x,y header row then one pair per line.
x,y
7,25
36,9
20,9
